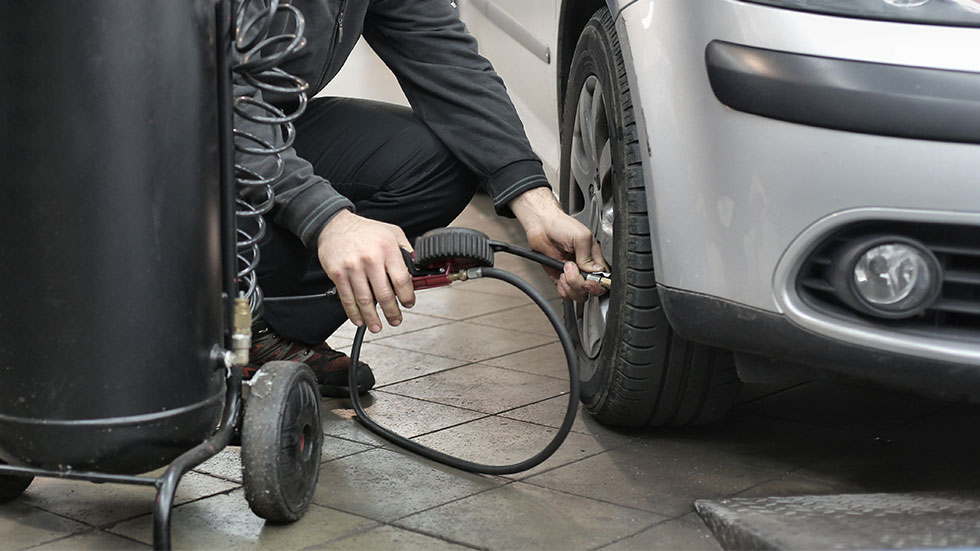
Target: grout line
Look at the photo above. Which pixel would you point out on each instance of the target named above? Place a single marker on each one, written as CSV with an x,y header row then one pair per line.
x,y
662,514
648,528
771,394
434,402
467,360
524,476
389,523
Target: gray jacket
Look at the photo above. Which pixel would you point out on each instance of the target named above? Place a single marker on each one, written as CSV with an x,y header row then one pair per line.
x,y
451,88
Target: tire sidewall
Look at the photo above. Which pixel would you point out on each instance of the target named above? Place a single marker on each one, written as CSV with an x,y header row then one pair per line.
x,y
596,55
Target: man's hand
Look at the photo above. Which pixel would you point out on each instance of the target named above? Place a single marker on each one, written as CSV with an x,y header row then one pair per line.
x,y
363,259
558,235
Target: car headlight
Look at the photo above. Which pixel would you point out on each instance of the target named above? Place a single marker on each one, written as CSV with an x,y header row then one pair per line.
x,y
962,13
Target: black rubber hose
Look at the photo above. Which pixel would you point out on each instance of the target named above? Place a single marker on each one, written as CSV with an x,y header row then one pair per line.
x,y
542,259
570,357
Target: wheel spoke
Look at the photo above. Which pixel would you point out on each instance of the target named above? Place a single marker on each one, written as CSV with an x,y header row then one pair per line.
x,y
600,130
593,325
585,117
605,166
582,169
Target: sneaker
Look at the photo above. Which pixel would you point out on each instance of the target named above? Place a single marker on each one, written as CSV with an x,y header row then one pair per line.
x,y
330,367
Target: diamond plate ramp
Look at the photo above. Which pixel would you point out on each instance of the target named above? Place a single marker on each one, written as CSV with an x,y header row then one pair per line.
x,y
850,521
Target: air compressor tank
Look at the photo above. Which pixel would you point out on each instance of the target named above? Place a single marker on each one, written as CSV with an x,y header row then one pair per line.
x,y
110,283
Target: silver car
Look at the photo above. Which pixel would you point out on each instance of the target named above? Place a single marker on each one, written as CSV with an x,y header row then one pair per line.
x,y
780,186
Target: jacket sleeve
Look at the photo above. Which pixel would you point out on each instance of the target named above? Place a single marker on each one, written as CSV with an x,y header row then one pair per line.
x,y
456,93
304,202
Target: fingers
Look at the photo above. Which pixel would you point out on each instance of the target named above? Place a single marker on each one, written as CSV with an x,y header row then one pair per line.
x,y
347,300
401,280
385,295
575,286
600,262
364,300
403,241
588,255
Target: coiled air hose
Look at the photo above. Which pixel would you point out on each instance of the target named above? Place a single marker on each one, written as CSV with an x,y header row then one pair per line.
x,y
440,253
258,55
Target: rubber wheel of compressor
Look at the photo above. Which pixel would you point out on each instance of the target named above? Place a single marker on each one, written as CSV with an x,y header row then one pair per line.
x,y
644,374
12,486
444,243
281,441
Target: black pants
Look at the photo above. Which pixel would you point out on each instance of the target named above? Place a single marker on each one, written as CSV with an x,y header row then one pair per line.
x,y
391,166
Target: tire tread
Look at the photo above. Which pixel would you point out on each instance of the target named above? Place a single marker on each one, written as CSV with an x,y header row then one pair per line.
x,y
657,377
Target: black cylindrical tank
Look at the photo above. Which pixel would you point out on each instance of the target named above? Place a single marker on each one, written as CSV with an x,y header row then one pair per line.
x,y
110,298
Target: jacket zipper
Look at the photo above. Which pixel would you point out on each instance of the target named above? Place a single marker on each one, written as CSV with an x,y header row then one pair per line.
x,y
338,33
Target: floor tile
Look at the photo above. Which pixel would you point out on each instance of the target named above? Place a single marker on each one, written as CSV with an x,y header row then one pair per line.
x,y
548,360
385,485
858,409
410,322
955,428
527,318
94,540
387,538
758,441
409,416
501,441
792,485
649,476
393,365
455,304
228,463
520,516
337,342
881,465
489,286
23,526
685,533
226,522
466,341
551,413
482,388
750,392
338,421
102,504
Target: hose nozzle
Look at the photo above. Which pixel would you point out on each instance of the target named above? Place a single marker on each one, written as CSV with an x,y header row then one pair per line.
x,y
602,278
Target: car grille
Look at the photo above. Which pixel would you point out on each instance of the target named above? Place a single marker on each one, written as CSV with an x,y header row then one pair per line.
x,y
956,314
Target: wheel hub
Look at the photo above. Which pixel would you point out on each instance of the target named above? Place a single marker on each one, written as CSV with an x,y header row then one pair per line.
x,y
591,201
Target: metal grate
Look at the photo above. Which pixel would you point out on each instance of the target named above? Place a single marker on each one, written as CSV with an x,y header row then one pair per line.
x,y
957,247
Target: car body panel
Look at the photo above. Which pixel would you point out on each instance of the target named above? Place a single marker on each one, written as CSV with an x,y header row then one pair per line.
x,y
738,200
721,227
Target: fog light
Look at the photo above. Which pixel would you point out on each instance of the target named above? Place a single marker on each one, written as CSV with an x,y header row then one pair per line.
x,y
887,276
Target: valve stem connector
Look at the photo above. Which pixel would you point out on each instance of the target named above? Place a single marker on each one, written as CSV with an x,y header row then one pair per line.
x,y
602,278
241,336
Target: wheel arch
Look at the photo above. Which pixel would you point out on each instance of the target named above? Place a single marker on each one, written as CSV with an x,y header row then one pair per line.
x,y
573,17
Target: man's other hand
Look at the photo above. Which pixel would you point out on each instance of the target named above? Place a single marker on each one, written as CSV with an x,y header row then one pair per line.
x,y
558,235
363,259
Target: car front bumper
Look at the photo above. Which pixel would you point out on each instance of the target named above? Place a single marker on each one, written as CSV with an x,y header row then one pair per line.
x,y
740,189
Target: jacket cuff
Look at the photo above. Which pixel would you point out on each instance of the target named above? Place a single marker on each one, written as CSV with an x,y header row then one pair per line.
x,y
513,180
320,203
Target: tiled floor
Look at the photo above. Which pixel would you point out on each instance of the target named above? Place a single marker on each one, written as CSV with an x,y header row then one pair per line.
x,y
475,371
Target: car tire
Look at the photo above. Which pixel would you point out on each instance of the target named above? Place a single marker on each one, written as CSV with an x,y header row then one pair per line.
x,y
635,370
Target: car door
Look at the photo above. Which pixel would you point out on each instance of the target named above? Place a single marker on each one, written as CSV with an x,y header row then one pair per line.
x,y
519,38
